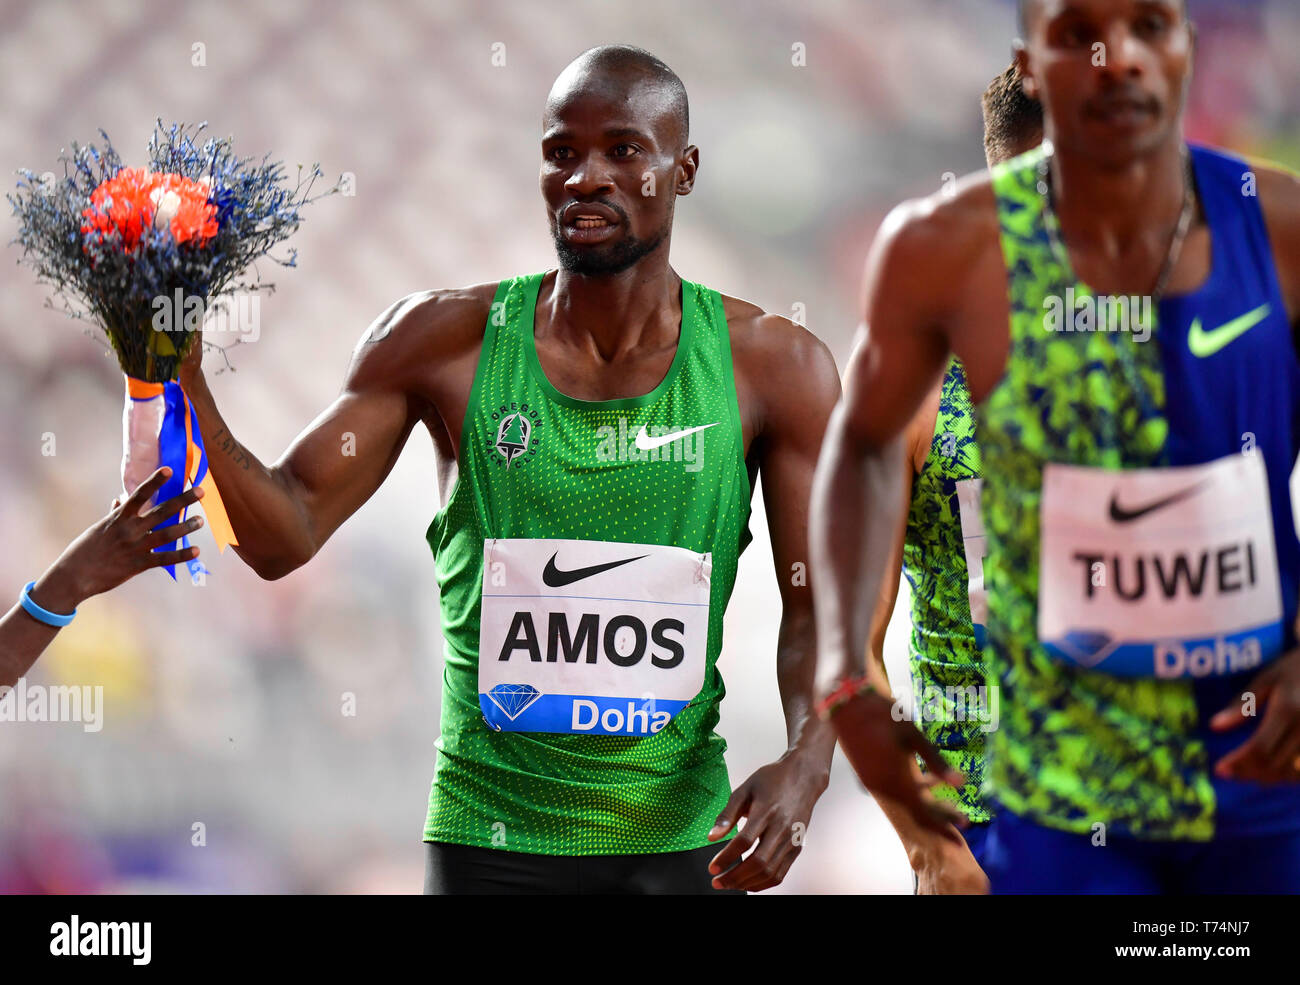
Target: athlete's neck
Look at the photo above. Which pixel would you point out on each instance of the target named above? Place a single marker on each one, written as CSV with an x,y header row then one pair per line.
x,y
1109,212
617,313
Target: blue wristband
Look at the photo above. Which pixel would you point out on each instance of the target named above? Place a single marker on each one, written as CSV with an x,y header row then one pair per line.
x,y
39,614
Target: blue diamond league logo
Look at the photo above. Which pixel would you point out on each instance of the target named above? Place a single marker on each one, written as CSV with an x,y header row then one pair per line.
x,y
1086,647
513,698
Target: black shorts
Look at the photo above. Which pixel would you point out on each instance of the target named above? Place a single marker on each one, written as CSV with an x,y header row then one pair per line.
x,y
453,870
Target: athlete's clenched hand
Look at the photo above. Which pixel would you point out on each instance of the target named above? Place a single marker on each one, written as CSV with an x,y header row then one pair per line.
x,y
191,365
1272,754
882,750
776,803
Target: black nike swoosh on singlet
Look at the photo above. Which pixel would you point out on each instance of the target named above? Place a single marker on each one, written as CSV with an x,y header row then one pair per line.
x,y
555,578
1121,515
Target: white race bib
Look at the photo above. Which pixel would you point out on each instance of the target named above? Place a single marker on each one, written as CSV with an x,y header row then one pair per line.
x,y
975,546
1160,572
591,637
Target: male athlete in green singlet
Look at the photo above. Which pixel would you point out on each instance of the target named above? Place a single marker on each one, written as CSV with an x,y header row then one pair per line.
x,y
940,548
598,430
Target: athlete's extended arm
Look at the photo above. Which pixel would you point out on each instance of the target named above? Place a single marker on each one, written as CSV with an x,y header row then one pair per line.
x,y
283,513
106,554
799,388
942,861
861,475
1272,753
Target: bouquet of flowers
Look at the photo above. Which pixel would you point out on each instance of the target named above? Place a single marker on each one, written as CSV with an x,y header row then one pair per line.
x,y
142,252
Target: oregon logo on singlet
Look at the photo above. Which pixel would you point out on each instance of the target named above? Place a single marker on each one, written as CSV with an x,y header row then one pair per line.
x,y
518,432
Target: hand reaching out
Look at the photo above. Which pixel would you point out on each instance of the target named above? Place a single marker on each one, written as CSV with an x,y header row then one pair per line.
x,y
107,553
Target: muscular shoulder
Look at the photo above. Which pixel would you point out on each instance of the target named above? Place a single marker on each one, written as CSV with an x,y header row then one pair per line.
x,y
779,365
420,330
1279,193
927,246
1279,199
766,343
935,282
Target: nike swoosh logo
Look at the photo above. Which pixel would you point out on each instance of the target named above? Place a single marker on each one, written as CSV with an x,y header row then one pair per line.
x,y
645,442
1121,515
1203,343
555,578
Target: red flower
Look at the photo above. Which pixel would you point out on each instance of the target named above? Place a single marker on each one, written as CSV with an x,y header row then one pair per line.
x,y
134,199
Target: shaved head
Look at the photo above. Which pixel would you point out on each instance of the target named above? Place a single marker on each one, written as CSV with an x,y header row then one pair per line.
x,y
622,67
615,158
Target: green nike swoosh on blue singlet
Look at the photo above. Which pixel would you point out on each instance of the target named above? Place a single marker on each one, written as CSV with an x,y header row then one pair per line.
x,y
1203,343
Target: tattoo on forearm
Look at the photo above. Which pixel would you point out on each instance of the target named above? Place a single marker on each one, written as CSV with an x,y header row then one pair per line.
x,y
232,448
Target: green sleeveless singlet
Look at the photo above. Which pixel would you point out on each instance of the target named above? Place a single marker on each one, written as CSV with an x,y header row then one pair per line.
x,y
543,469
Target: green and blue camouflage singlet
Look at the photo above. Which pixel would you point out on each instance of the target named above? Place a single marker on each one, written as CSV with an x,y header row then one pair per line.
x,y
947,668
1078,747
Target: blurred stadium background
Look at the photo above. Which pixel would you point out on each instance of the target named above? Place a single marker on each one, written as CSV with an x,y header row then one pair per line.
x,y
223,703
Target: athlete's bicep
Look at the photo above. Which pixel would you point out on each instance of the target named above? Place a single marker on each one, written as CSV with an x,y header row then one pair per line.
x,y
344,455
899,352
795,418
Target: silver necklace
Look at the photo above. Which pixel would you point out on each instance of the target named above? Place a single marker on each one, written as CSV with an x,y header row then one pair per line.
x,y
1053,223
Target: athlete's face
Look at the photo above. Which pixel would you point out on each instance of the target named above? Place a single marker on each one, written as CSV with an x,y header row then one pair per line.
x,y
613,162
1111,74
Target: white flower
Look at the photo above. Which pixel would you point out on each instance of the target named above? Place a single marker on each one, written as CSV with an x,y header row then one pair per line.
x,y
166,204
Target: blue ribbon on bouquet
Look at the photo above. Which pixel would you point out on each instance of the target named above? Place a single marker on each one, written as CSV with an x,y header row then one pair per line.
x,y
180,448
177,439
